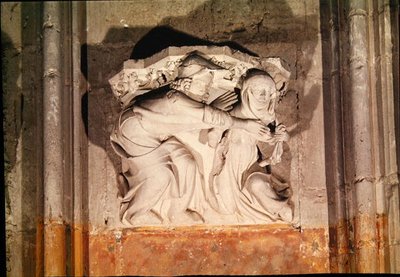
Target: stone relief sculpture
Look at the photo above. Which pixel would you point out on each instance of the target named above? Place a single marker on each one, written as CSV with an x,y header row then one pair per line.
x,y
187,135
256,194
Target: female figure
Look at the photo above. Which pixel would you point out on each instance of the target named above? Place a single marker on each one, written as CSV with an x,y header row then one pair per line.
x,y
236,189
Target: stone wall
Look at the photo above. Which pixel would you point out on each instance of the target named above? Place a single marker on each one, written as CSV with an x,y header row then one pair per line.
x,y
288,29
21,80
312,36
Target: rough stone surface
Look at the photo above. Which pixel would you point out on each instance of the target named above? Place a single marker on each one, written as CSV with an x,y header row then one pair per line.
x,y
231,250
21,80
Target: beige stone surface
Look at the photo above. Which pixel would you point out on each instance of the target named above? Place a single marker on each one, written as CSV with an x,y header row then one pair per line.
x,y
261,27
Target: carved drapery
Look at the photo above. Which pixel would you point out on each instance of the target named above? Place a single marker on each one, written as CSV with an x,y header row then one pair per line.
x,y
146,129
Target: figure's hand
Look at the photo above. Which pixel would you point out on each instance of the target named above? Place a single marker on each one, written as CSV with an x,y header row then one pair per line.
x,y
225,101
280,128
280,133
264,162
256,128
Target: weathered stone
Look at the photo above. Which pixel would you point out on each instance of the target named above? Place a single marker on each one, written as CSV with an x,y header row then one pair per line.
x,y
335,234
231,250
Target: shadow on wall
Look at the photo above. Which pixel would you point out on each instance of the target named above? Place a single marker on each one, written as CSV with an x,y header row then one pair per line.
x,y
10,133
162,37
9,102
269,22
21,107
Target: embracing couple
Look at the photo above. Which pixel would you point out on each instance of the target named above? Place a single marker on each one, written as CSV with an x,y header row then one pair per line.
x,y
163,179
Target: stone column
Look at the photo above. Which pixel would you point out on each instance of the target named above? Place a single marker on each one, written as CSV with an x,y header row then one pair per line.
x,y
383,72
79,229
360,140
54,228
338,218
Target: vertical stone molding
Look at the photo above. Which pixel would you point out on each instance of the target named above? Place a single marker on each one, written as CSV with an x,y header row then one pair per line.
x,y
338,217
383,26
54,229
79,141
360,42
360,139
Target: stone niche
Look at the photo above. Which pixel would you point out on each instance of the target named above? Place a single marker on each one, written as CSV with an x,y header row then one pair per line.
x,y
190,134
207,198
204,169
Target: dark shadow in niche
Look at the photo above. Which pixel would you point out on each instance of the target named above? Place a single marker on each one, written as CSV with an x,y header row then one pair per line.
x,y
395,19
8,141
32,131
22,136
105,59
161,37
331,131
85,148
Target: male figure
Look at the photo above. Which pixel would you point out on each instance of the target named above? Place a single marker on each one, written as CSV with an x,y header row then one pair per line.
x,y
161,172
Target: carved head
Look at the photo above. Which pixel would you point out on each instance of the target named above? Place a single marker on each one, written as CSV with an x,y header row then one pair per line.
x,y
200,77
259,95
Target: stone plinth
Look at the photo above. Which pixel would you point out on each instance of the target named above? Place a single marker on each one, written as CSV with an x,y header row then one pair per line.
x,y
272,249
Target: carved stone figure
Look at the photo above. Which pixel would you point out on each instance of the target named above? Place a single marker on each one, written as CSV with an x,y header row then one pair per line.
x,y
172,173
236,187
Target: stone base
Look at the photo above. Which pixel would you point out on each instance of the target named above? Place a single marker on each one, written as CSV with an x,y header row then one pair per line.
x,y
257,249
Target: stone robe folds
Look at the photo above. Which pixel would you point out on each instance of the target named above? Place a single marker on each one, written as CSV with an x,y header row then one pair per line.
x,y
164,181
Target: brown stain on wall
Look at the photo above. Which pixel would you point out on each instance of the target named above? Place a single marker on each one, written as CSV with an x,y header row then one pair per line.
x,y
382,239
365,244
79,249
339,247
364,249
343,246
102,260
39,248
54,249
201,250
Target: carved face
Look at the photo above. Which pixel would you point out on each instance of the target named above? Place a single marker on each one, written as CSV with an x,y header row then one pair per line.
x,y
258,97
263,91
